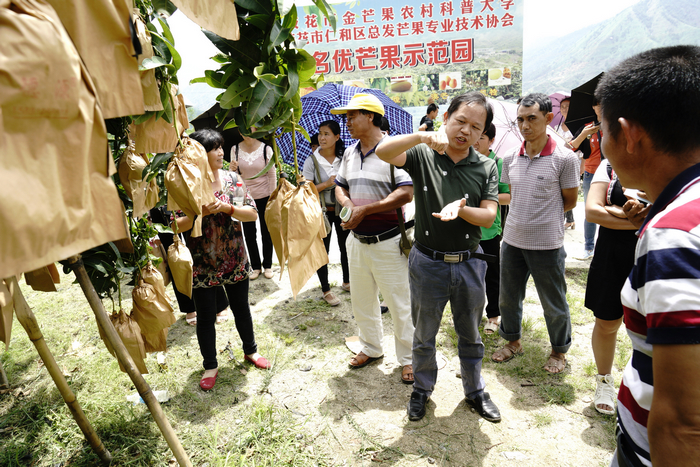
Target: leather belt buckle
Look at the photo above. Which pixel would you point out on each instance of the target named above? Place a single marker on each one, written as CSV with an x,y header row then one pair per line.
x,y
372,240
452,258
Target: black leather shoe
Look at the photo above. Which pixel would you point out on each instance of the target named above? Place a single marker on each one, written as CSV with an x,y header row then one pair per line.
x,y
416,406
484,406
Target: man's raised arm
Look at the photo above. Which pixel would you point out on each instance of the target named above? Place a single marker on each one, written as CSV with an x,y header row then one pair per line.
x,y
393,150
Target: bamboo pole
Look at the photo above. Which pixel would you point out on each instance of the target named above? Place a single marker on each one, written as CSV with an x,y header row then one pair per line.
x,y
4,383
124,358
28,321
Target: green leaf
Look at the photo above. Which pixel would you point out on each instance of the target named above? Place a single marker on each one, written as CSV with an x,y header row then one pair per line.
x,y
165,99
214,79
265,95
177,60
221,58
201,79
160,228
164,7
258,6
328,11
166,31
290,18
270,163
142,118
259,21
307,68
155,62
278,35
244,49
237,93
293,81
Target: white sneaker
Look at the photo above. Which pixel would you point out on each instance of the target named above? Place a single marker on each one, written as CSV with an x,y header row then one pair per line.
x,y
605,394
588,254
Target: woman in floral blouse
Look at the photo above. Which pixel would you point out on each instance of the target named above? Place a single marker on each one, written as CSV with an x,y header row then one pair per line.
x,y
220,258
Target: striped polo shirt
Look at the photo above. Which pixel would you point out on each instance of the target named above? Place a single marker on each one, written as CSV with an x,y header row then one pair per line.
x,y
368,180
661,299
534,220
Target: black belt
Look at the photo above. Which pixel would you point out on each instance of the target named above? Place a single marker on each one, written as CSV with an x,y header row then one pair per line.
x,y
454,257
370,239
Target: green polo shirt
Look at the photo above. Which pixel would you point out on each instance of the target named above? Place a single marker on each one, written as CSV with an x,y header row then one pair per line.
x,y
496,228
437,181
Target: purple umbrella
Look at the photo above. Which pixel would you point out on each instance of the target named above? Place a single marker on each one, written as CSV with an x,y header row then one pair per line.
x,y
316,108
556,98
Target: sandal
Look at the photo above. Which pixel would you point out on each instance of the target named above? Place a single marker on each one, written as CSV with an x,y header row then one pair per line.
x,y
222,316
506,353
331,299
360,360
407,374
191,321
254,275
345,286
555,364
490,327
605,394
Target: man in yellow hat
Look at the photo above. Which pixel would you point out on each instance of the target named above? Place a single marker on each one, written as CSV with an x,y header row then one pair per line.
x,y
375,259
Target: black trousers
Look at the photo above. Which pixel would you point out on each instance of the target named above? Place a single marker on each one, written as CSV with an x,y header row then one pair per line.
x,y
251,238
205,299
341,235
493,272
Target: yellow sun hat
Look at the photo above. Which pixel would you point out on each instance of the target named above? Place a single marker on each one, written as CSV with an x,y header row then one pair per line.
x,y
361,101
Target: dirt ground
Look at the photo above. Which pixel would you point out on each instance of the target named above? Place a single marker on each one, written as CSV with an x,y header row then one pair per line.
x,y
365,409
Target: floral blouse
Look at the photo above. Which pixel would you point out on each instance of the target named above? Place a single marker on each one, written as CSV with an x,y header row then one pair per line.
x,y
219,255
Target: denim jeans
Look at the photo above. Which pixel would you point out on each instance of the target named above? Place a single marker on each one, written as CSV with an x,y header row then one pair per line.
x,y
433,283
588,227
547,269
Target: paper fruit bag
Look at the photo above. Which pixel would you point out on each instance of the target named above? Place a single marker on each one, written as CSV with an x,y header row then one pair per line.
x,y
130,334
212,16
158,136
149,85
53,146
7,307
180,264
302,215
101,32
273,218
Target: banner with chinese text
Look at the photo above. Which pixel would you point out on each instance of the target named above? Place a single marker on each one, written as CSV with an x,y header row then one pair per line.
x,y
418,52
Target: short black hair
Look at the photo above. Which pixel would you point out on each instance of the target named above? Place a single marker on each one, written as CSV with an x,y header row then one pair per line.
x,y
431,108
469,98
209,138
385,126
314,139
376,118
538,98
490,132
660,90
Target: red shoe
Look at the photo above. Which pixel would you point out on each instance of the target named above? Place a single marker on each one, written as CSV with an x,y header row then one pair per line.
x,y
208,383
261,362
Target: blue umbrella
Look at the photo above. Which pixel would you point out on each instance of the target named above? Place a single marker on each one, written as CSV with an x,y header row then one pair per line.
x,y
316,108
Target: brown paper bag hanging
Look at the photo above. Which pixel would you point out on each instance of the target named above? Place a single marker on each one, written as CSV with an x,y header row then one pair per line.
x,y
188,180
158,136
53,146
100,31
212,16
180,264
150,311
158,250
302,216
130,334
43,279
7,308
149,85
156,342
151,275
131,167
273,219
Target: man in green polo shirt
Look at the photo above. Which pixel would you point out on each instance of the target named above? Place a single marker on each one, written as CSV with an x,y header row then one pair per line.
x,y
456,193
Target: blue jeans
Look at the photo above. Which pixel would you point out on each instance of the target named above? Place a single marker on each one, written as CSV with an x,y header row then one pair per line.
x,y
588,227
547,269
433,283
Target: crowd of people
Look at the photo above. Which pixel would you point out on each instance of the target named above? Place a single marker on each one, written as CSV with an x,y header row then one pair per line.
x,y
641,181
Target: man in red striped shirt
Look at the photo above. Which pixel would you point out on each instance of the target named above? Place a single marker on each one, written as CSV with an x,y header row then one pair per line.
x,y
651,109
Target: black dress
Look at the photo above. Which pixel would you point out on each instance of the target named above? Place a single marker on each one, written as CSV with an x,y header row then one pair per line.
x,y
612,262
